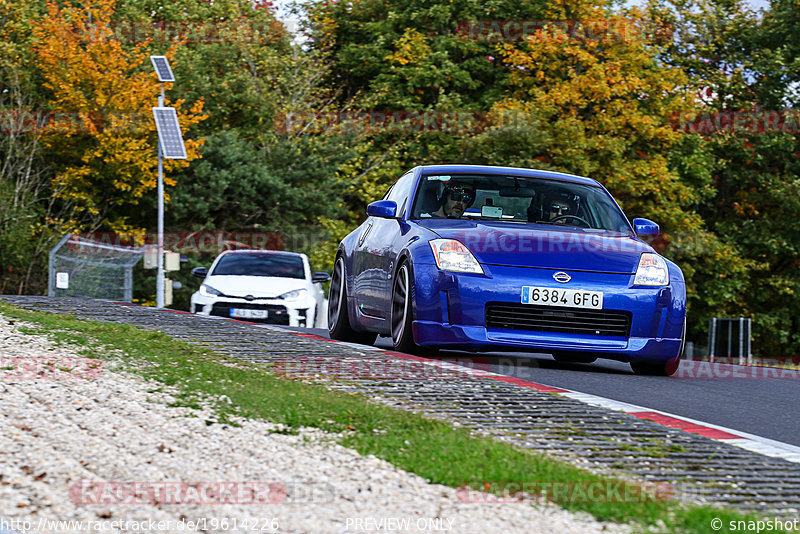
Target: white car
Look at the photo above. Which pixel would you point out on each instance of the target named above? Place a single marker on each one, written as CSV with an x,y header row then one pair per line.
x,y
262,286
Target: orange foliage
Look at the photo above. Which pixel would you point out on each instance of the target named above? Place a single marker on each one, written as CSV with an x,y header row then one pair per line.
x,y
598,89
107,93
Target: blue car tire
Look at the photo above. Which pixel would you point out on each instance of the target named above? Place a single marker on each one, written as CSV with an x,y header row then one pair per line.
x,y
668,368
403,314
338,318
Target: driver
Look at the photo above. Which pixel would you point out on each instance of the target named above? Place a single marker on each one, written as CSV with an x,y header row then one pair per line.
x,y
454,201
558,205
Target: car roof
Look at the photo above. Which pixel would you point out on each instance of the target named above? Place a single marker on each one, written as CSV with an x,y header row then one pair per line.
x,y
512,171
261,251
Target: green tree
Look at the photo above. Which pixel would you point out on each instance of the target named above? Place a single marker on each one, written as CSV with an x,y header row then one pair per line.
x,y
415,55
254,174
599,102
236,186
741,62
229,54
23,186
409,56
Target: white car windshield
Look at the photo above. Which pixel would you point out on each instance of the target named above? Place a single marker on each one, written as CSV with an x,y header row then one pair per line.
x,y
517,199
273,264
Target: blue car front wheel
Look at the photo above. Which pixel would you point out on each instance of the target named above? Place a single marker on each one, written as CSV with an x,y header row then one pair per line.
x,y
402,334
403,314
667,368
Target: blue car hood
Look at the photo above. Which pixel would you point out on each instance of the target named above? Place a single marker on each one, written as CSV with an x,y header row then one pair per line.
x,y
543,246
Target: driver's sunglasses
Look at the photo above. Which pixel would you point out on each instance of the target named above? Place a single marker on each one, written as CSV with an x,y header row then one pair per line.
x,y
555,208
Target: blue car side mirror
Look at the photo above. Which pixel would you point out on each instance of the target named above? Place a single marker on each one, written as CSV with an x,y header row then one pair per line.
x,y
646,227
382,208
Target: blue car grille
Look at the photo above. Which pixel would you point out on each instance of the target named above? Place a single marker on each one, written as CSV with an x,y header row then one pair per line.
x,y
562,320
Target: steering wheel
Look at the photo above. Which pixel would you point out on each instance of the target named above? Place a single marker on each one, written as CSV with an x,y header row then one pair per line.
x,y
584,221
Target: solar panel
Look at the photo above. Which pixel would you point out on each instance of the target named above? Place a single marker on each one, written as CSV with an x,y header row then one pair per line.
x,y
163,71
169,133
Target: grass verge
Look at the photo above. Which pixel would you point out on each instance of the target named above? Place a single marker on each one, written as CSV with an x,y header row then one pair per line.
x,y
431,449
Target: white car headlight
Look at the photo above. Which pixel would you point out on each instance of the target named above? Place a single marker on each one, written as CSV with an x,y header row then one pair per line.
x,y
208,291
297,294
452,255
652,271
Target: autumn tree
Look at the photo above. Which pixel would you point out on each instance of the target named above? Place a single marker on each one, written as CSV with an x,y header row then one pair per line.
x,y
103,133
254,175
409,56
741,62
591,98
24,180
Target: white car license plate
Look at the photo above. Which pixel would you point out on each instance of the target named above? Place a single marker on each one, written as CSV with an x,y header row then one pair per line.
x,y
244,313
568,298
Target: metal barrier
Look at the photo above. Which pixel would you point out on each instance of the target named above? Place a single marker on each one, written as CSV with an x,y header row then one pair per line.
x,y
730,338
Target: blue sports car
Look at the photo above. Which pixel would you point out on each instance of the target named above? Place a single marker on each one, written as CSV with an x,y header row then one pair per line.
x,y
481,258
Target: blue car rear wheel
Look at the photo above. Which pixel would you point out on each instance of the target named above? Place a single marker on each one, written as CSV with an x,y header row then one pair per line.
x,y
338,318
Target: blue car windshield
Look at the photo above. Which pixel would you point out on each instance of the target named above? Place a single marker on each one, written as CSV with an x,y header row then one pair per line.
x,y
279,265
517,199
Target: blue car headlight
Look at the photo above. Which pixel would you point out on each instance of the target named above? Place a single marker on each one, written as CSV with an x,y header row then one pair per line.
x,y
452,255
652,271
208,291
297,294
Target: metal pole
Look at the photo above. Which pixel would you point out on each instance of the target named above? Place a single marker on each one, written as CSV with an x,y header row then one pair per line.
x,y
160,251
749,333
51,266
128,288
712,339
741,341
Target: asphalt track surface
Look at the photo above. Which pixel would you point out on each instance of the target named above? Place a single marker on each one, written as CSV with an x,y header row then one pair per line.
x,y
765,407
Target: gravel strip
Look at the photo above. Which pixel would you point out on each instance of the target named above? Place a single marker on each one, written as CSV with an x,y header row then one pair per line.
x,y
59,433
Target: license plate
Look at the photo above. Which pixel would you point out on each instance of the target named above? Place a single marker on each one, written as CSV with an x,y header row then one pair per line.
x,y
244,313
567,298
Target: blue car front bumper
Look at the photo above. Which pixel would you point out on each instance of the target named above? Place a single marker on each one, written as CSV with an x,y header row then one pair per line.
x,y
451,312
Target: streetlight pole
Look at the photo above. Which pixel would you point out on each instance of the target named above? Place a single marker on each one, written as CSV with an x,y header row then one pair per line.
x,y
160,249
170,146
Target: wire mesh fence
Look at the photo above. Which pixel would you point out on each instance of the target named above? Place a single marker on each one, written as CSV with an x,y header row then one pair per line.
x,y
80,267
